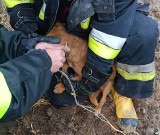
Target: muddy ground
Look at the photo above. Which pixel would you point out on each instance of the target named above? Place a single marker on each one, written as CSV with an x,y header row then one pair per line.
x,y
44,119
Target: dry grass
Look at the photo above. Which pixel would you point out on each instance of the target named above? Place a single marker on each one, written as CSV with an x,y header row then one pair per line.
x,y
4,17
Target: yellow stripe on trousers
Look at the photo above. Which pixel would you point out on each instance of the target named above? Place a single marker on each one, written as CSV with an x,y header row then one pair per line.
x,y
136,76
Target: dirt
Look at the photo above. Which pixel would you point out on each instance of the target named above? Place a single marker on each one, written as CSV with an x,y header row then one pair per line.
x,y
44,119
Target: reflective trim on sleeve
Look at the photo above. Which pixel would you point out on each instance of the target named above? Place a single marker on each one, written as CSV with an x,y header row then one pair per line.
x,y
85,24
102,50
109,40
136,76
5,96
12,3
137,68
42,11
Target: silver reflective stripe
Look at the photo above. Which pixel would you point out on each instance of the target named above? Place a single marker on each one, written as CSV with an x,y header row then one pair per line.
x,y
109,40
44,7
84,21
137,68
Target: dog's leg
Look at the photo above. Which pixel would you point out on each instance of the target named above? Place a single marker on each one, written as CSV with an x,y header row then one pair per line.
x,y
59,88
93,97
105,92
65,66
77,69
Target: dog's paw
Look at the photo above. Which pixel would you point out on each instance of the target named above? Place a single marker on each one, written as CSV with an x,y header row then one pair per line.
x,y
97,111
59,88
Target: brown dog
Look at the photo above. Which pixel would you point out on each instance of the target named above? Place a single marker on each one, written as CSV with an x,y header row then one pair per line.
x,y
76,59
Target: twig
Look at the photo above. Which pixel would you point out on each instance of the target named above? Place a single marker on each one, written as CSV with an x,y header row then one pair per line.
x,y
73,115
32,131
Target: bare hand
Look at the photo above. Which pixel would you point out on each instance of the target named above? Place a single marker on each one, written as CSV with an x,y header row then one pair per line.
x,y
56,53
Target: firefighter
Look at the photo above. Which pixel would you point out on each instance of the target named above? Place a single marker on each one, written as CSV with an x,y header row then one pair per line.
x,y
117,31
24,63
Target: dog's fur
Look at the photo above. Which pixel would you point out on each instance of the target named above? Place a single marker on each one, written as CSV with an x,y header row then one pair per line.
x,y
76,59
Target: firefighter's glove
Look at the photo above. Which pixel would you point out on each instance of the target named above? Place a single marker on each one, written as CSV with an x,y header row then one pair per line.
x,y
29,43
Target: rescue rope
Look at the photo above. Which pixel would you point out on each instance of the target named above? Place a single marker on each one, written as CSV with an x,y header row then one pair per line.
x,y
4,17
91,109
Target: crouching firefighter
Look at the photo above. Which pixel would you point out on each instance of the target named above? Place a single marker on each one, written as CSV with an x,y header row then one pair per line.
x,y
117,31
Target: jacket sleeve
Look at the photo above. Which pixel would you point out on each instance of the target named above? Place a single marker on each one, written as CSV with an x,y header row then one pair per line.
x,y
23,81
9,43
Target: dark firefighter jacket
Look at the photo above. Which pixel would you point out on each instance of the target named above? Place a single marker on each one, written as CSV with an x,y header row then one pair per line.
x,y
22,80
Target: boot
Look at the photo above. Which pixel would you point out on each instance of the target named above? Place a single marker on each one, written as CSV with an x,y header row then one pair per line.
x,y
92,80
125,111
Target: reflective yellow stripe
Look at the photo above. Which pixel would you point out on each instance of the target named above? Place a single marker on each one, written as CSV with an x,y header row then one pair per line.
x,y
41,15
12,3
85,24
136,76
102,50
5,96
